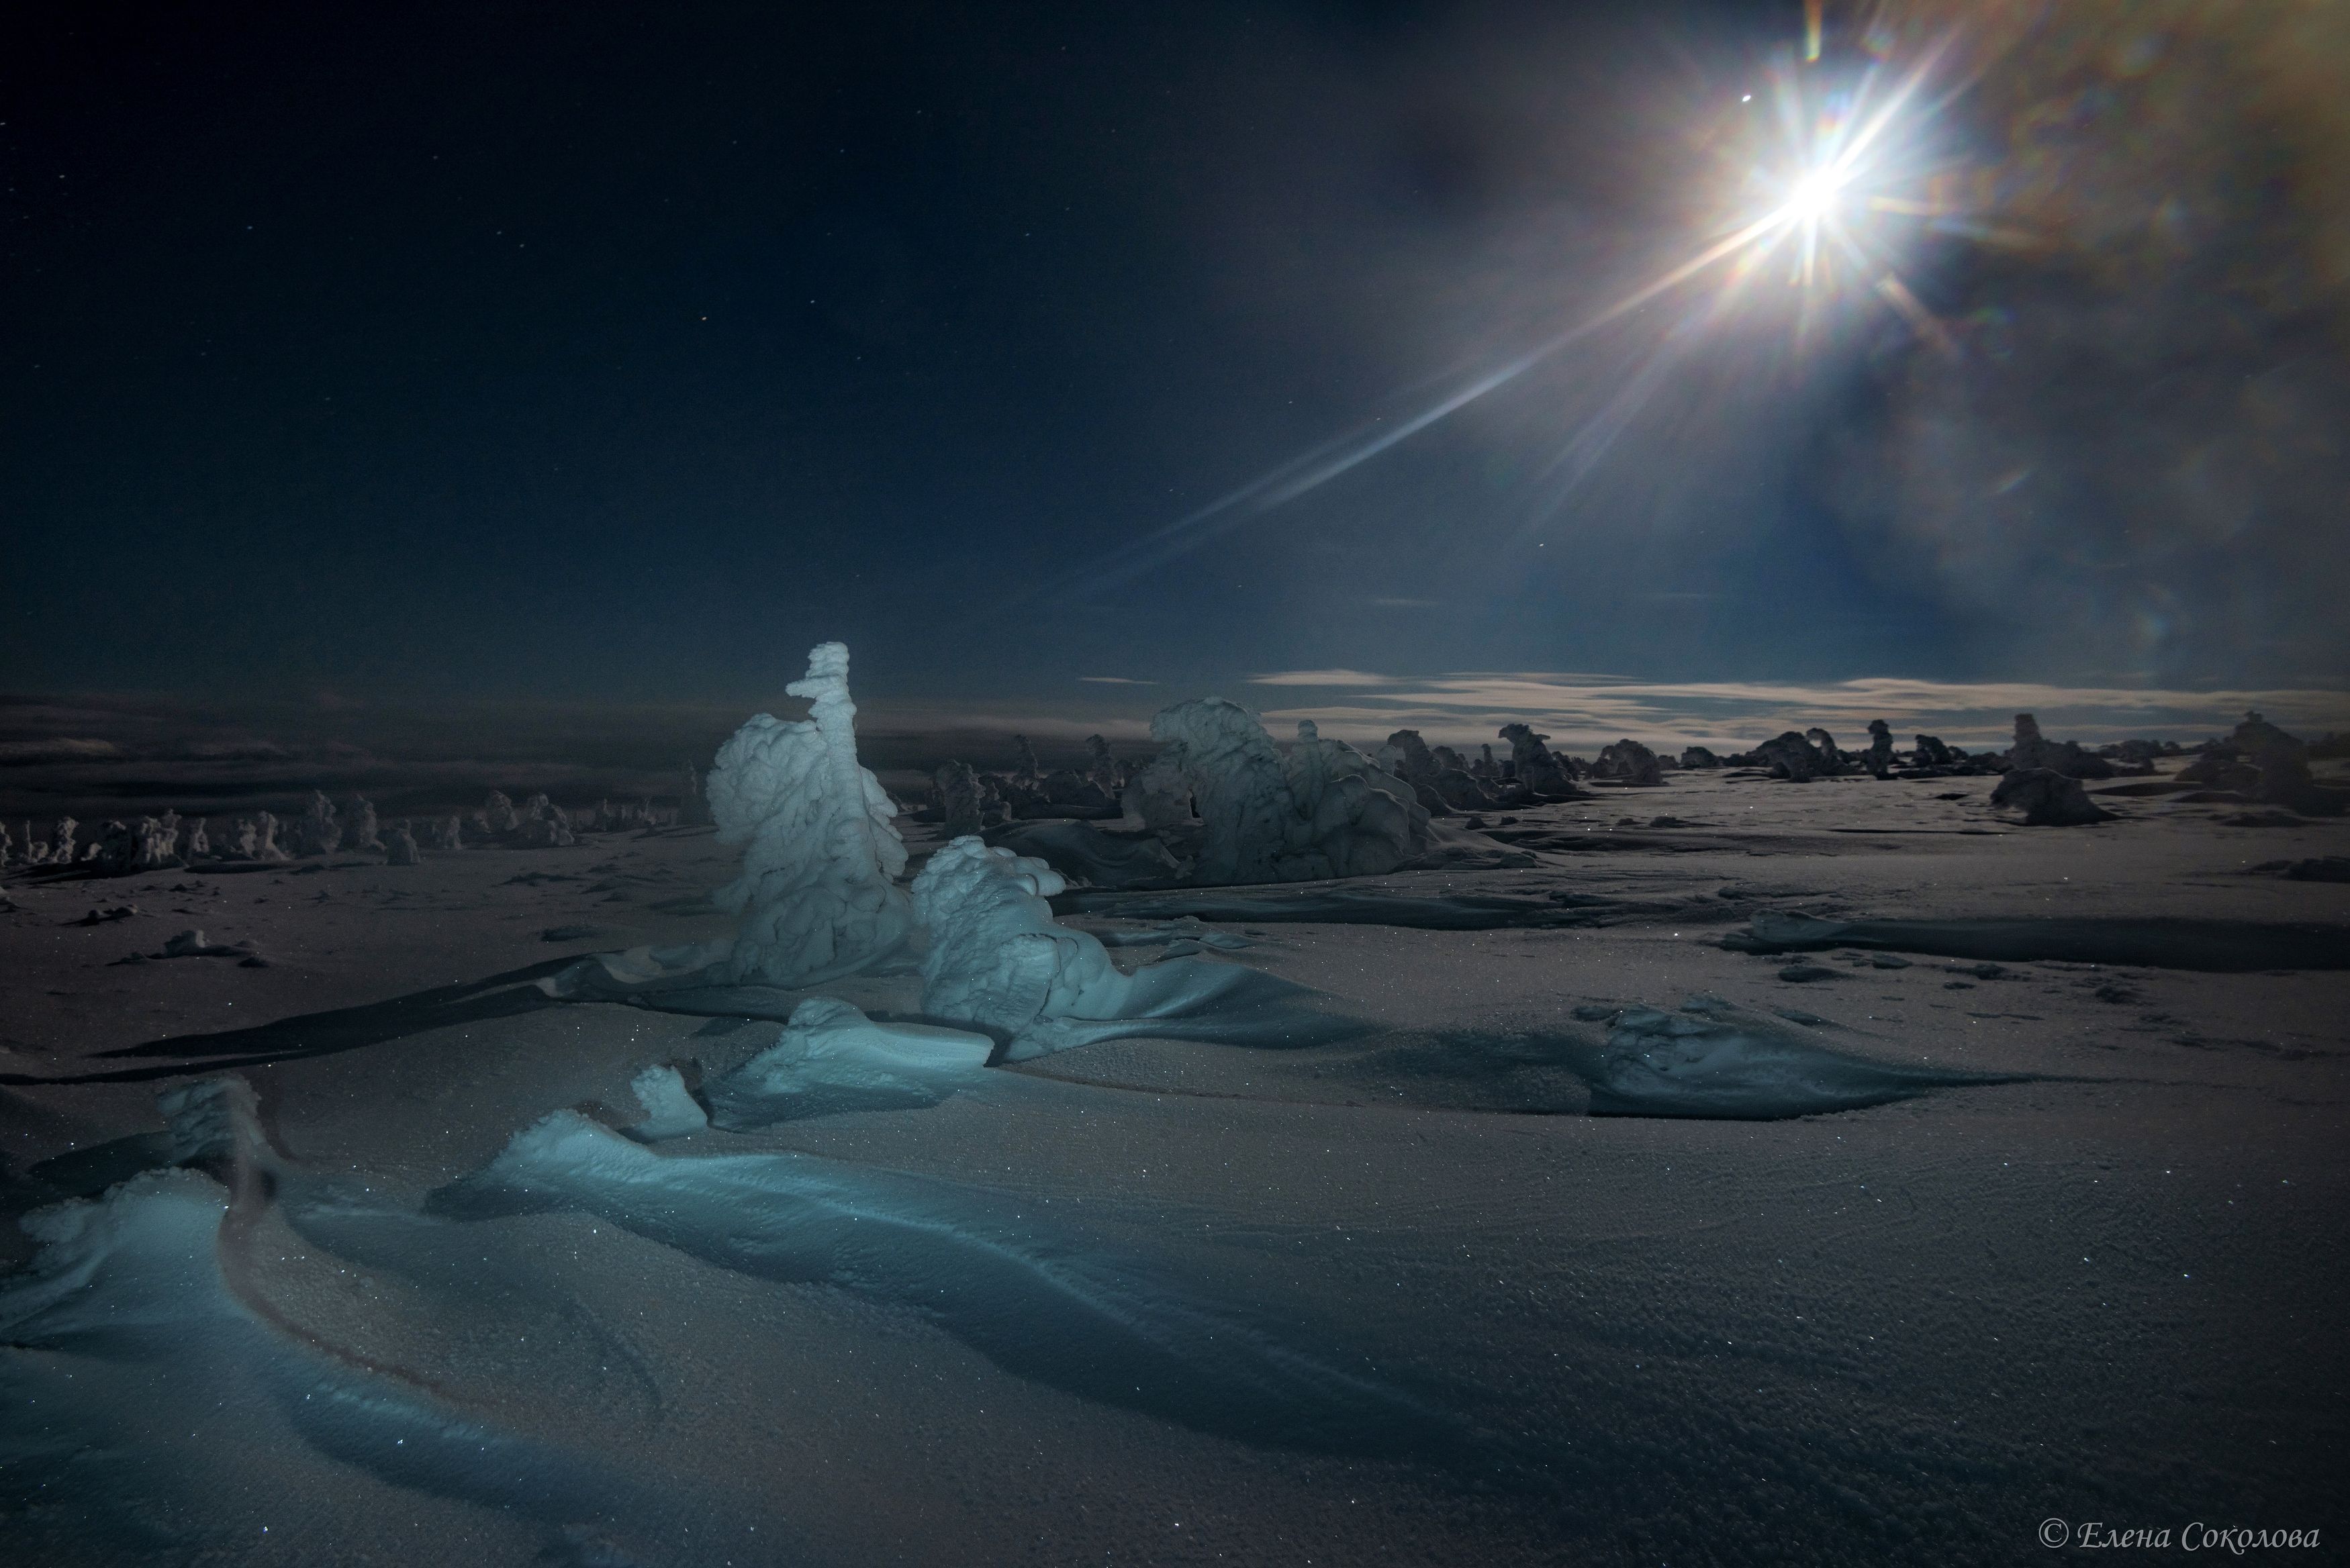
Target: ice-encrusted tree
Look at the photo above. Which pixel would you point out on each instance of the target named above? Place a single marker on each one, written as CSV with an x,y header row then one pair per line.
x,y
1359,820
1237,782
996,957
818,894
1325,810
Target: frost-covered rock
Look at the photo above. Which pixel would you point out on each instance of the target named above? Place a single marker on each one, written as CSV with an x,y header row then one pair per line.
x,y
399,846
1932,754
1028,772
818,893
61,841
1832,759
198,842
446,832
1486,767
2047,798
1699,757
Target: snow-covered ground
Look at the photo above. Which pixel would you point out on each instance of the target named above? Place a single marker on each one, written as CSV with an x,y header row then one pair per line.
x,y
1349,1276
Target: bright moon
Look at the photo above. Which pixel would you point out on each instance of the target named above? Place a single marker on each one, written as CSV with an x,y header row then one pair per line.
x,y
1813,195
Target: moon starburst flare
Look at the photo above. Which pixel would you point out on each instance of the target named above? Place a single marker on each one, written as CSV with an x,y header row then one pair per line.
x,y
1852,180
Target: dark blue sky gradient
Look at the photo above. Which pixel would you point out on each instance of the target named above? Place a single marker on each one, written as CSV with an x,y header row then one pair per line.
x,y
511,351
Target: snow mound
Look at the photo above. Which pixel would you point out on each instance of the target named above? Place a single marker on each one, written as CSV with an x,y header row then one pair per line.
x,y
831,1057
1714,1060
670,1110
1036,1300
130,1336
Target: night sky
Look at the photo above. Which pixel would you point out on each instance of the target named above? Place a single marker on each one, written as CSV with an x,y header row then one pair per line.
x,y
503,351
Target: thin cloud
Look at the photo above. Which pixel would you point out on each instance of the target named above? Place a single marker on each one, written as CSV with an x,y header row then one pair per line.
x,y
1113,680
60,749
1321,678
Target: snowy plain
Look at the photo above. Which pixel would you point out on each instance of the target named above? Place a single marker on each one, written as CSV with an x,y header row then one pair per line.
x,y
1372,1285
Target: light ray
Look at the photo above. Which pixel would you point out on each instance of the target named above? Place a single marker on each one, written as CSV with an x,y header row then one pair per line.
x,y
1835,161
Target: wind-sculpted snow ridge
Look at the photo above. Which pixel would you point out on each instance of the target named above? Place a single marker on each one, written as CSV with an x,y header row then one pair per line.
x,y
1343,906
982,1266
818,893
831,1058
1081,850
183,1425
1715,1060
997,960
2213,946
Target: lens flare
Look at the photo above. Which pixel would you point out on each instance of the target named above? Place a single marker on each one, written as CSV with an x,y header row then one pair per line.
x,y
1813,197
1851,179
